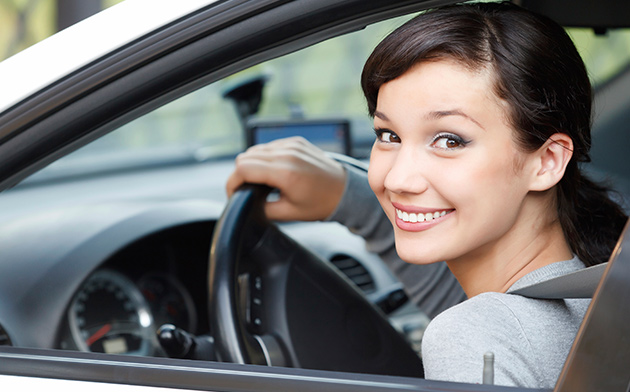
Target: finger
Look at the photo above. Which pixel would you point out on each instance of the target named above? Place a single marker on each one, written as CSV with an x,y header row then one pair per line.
x,y
257,171
283,210
276,210
233,182
237,177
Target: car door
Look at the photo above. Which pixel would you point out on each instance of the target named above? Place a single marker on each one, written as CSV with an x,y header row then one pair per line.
x,y
214,41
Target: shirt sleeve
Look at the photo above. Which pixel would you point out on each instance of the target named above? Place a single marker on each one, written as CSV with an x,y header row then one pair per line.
x,y
431,287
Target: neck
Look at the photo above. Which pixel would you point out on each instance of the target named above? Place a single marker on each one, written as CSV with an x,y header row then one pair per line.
x,y
497,266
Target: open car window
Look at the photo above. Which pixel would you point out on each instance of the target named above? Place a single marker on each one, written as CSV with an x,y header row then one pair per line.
x,y
318,82
606,54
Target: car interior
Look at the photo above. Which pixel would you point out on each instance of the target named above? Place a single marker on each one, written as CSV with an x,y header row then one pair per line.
x,y
111,242
162,269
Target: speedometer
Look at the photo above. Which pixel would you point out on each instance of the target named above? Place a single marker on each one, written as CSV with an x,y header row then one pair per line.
x,y
110,315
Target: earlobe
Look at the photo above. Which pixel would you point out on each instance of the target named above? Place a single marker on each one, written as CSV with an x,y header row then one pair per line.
x,y
552,160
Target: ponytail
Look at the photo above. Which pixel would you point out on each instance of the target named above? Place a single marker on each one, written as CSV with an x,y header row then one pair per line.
x,y
590,219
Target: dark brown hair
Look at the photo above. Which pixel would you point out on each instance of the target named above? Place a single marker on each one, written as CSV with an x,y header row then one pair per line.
x,y
539,73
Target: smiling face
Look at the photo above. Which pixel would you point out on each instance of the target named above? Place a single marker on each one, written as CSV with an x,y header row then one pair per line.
x,y
445,166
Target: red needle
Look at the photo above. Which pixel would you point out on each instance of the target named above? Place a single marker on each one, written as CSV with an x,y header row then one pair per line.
x,y
98,334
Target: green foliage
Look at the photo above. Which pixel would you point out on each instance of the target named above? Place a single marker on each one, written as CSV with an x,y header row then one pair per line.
x,y
26,22
605,55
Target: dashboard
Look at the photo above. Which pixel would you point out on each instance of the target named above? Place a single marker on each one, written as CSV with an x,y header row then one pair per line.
x,y
161,279
98,264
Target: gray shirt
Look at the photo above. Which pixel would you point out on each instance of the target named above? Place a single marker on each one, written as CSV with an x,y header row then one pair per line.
x,y
432,287
530,338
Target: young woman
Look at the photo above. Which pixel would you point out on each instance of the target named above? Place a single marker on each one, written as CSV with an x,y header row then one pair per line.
x,y
482,113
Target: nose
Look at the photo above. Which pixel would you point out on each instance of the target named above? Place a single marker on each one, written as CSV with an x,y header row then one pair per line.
x,y
408,173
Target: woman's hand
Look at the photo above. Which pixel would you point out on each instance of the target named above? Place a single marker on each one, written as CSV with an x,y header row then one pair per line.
x,y
311,184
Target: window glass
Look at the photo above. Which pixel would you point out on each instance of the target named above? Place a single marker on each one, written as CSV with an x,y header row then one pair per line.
x,y
319,82
605,55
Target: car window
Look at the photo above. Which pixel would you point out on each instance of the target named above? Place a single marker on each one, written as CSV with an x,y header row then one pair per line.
x,y
321,81
607,58
605,54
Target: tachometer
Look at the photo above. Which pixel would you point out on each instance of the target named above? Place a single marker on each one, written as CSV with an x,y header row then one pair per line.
x,y
110,315
169,301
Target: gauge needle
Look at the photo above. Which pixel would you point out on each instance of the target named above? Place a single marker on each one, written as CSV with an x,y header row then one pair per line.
x,y
98,334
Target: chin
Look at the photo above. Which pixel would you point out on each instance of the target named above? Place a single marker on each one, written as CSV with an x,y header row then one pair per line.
x,y
416,254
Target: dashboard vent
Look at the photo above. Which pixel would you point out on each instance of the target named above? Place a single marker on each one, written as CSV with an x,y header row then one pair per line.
x,y
4,337
355,271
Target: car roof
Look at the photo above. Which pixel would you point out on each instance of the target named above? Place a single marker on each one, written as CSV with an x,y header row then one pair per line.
x,y
67,51
599,15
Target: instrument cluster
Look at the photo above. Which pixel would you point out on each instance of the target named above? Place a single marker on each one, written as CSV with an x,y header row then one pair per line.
x,y
111,313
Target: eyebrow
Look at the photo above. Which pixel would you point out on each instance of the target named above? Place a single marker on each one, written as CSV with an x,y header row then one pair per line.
x,y
381,115
438,114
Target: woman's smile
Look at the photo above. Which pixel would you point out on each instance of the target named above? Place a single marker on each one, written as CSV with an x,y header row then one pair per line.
x,y
411,218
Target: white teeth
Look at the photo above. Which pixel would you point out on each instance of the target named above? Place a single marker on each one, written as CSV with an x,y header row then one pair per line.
x,y
419,217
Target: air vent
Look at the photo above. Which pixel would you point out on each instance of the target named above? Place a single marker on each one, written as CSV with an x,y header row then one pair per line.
x,y
355,271
4,337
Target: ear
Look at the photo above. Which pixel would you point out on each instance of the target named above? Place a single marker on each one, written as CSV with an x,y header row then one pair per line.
x,y
550,161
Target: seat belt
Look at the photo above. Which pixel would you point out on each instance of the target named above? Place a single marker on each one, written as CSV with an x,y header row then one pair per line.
x,y
578,284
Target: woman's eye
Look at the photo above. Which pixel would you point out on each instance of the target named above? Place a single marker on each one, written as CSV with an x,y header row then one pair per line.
x,y
448,142
386,136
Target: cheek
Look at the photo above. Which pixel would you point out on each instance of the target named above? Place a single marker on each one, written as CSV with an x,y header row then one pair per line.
x,y
489,188
375,179
497,162
377,172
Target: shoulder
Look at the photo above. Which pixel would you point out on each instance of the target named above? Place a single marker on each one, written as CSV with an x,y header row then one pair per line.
x,y
455,341
479,320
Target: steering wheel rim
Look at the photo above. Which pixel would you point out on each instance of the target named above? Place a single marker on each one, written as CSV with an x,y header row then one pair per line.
x,y
244,206
312,316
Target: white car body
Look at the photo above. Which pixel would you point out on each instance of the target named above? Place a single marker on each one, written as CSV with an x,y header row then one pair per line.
x,y
70,49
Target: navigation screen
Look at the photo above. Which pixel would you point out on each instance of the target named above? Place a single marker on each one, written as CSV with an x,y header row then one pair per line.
x,y
329,135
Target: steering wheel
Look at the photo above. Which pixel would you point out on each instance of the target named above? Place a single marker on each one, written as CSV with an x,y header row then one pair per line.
x,y
273,302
